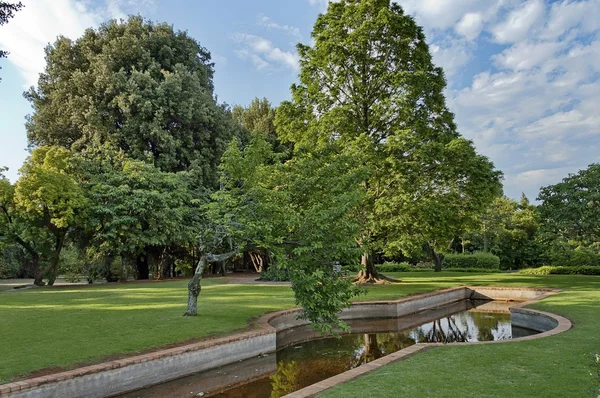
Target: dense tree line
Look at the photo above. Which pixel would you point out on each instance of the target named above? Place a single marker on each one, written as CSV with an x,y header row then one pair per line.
x,y
136,170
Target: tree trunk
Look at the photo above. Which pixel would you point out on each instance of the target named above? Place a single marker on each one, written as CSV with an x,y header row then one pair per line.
x,y
438,259
37,272
194,286
368,272
141,265
54,267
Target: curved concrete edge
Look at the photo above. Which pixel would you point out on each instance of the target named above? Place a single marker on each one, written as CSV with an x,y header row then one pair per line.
x,y
531,319
116,377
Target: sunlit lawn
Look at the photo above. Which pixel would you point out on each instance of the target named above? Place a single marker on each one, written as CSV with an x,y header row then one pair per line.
x,y
45,328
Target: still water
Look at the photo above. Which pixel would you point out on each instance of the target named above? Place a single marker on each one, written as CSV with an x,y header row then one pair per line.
x,y
304,357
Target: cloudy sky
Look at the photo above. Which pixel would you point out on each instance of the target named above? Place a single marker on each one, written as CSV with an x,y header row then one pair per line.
x,y
523,75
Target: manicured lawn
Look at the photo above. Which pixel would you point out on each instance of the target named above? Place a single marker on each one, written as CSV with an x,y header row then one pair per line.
x,y
560,366
61,327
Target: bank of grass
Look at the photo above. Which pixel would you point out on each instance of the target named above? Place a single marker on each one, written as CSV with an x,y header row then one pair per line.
x,y
60,327
564,365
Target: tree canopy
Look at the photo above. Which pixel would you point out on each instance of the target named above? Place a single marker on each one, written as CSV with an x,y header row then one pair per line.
x,y
571,208
369,84
141,86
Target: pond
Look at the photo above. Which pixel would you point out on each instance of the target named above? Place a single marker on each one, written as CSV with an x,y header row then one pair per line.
x,y
304,357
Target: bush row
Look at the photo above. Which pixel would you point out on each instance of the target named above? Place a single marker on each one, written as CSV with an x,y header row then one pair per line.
x,y
562,270
475,260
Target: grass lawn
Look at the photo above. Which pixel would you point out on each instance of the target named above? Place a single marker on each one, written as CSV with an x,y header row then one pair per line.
x,y
559,366
46,327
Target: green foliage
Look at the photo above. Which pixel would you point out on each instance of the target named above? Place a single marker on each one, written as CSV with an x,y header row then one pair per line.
x,y
275,274
134,206
50,201
401,267
475,270
301,210
369,84
477,260
570,210
140,86
560,270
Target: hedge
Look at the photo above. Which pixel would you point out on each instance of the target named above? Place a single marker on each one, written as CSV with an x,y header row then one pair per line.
x,y
562,270
476,260
401,267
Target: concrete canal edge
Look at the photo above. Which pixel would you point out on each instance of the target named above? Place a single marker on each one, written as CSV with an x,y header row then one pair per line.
x,y
116,377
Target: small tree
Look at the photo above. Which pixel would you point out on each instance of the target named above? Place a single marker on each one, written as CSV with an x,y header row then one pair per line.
x,y
50,199
301,210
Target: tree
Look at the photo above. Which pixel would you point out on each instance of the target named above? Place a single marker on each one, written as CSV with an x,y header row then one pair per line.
x,y
258,117
369,84
135,208
301,210
510,230
14,228
570,210
142,87
7,11
50,199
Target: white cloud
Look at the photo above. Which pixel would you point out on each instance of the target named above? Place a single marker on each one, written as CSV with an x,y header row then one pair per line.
x,y
41,22
527,55
268,23
263,52
470,25
520,22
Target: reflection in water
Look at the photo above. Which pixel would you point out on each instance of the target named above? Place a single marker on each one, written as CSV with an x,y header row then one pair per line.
x,y
302,363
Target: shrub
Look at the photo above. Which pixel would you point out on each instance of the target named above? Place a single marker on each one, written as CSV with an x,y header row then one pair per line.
x,y
479,270
561,270
400,267
274,274
475,260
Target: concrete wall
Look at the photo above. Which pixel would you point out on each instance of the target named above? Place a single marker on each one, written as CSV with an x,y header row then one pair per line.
x,y
532,320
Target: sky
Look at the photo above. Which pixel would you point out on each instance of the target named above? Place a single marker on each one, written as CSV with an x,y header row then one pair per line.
x,y
523,75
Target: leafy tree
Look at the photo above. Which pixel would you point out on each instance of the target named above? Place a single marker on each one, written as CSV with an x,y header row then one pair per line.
x,y
140,86
135,208
570,210
50,199
301,210
510,230
7,11
258,117
14,228
369,84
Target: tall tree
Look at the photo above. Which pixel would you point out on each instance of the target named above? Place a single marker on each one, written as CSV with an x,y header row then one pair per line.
x,y
50,199
570,209
369,84
7,11
140,86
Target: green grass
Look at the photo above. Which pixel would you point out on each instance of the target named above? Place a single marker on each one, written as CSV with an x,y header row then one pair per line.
x,y
45,327
559,366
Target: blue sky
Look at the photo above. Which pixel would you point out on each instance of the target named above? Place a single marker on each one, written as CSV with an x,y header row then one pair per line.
x,y
523,75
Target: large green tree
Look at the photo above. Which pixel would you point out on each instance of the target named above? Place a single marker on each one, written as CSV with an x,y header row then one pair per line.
x,y
570,210
136,210
140,86
369,84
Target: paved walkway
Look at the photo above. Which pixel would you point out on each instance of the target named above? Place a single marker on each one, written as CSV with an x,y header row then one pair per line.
x,y
233,278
